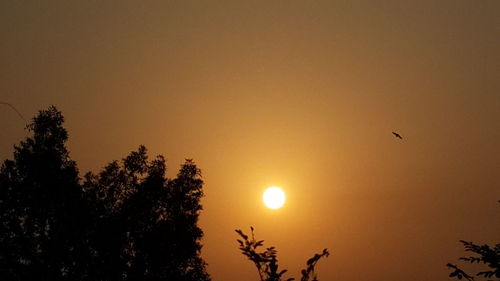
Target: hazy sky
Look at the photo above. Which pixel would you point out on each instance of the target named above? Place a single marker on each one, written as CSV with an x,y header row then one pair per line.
x,y
299,94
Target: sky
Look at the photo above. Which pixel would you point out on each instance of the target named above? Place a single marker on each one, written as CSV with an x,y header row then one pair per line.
x,y
298,94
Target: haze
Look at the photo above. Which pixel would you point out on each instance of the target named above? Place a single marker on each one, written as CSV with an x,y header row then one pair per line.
x,y
298,94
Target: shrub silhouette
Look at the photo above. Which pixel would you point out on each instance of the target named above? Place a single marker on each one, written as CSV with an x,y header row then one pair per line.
x,y
266,261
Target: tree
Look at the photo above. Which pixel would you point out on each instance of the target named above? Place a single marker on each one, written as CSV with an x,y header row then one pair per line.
x,y
128,222
147,224
266,261
41,205
483,254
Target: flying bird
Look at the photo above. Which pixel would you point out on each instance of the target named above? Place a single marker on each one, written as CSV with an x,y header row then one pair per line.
x,y
13,108
397,135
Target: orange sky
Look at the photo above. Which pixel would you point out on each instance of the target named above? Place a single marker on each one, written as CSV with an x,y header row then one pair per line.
x,y
299,94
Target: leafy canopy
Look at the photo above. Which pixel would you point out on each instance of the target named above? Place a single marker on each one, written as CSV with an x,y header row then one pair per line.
x,y
127,222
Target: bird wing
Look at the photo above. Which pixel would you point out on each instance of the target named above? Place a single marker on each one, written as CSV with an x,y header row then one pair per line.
x,y
397,135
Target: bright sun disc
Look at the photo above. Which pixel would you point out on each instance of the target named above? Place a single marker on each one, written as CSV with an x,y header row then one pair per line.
x,y
274,197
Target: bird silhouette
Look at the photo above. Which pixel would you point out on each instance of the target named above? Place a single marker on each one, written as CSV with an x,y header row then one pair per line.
x,y
11,106
397,135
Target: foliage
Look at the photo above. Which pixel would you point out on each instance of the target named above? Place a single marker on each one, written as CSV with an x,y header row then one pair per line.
x,y
41,206
266,261
483,254
128,222
147,223
309,273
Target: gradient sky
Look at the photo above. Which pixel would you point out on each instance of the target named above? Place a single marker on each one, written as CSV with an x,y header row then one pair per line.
x,y
299,94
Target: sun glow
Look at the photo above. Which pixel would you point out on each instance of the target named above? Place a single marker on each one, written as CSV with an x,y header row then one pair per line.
x,y
274,197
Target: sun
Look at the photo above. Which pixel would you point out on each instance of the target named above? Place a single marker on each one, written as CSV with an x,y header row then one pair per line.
x,y
274,197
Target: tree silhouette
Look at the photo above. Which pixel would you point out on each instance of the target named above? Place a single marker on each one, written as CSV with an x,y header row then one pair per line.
x,y
482,254
128,222
41,203
266,261
147,224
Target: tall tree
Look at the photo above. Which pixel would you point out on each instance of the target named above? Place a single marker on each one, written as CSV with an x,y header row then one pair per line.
x,y
147,224
41,205
128,222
